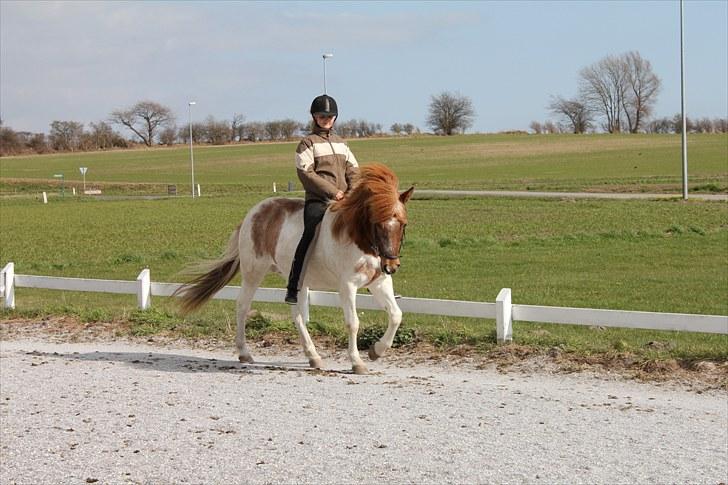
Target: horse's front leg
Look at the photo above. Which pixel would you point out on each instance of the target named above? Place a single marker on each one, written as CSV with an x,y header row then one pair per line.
x,y
314,359
383,293
347,296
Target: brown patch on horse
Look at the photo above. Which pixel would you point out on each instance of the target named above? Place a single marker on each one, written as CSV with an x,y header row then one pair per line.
x,y
267,223
373,200
369,271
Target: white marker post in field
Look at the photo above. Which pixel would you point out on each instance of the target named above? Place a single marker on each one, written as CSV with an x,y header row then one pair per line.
x,y
60,176
192,154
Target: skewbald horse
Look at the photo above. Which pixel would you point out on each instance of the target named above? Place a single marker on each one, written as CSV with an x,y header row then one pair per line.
x,y
357,245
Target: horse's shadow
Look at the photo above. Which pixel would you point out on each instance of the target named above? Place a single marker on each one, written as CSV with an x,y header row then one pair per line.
x,y
178,363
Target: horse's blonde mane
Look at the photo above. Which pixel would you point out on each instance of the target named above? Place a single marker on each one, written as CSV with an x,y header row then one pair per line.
x,y
372,200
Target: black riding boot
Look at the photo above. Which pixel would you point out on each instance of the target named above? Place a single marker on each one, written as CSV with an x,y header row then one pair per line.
x,y
313,212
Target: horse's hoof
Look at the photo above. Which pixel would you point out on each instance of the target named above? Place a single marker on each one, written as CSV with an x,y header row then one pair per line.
x,y
246,359
373,353
316,363
360,369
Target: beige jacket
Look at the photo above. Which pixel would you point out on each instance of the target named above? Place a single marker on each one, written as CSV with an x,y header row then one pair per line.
x,y
325,165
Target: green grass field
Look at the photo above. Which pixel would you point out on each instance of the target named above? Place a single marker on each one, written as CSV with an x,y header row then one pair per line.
x,y
667,256
625,163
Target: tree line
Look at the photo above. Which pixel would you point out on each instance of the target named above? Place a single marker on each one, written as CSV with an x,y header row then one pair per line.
x,y
151,123
664,125
617,94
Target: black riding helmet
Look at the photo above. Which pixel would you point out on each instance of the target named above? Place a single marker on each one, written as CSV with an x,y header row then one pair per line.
x,y
324,105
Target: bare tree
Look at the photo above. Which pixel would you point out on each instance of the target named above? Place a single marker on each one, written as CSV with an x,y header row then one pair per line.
x,y
660,125
168,136
720,125
144,119
642,86
9,141
236,133
536,127
704,125
254,131
289,128
347,129
602,86
199,133
216,132
396,128
622,89
66,135
103,135
38,143
550,127
408,128
273,130
449,113
575,113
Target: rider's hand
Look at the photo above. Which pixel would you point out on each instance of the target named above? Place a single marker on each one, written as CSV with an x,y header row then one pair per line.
x,y
339,195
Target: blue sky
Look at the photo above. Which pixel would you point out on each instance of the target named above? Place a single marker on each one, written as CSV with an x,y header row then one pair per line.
x,y
81,60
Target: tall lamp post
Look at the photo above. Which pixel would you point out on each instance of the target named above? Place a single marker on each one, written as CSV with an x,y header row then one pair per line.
x,y
326,56
192,154
682,109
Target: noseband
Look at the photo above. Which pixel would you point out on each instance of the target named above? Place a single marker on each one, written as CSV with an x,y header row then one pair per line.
x,y
381,254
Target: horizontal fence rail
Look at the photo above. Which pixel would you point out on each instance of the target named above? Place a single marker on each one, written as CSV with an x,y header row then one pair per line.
x,y
503,310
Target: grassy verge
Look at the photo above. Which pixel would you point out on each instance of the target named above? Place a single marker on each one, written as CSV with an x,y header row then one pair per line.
x,y
626,163
637,255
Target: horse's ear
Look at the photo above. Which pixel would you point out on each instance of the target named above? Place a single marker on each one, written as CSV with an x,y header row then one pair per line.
x,y
405,196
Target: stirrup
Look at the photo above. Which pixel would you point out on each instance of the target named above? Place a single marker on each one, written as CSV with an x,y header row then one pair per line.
x,y
291,297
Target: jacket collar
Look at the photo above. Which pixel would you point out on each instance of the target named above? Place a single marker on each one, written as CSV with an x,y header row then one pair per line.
x,y
317,130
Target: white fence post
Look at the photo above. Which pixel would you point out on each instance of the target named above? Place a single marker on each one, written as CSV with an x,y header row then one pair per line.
x,y
503,310
144,289
504,316
7,281
303,296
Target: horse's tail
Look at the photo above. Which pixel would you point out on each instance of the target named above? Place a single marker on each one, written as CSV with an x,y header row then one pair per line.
x,y
209,277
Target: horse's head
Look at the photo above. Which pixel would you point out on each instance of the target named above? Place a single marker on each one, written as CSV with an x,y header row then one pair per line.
x,y
388,235
373,215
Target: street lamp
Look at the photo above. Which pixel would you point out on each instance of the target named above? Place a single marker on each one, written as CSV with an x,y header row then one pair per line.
x,y
683,138
192,154
326,56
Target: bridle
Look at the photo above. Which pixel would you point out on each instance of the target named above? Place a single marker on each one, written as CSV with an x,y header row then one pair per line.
x,y
382,254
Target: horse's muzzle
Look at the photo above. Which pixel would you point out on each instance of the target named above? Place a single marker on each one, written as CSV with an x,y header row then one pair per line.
x,y
390,266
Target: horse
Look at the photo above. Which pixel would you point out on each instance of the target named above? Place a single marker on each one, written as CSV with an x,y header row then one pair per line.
x,y
357,246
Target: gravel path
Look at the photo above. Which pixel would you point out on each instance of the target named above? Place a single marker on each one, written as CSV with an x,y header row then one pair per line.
x,y
129,413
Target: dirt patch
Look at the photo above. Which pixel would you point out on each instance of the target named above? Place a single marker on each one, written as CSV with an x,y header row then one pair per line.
x,y
695,375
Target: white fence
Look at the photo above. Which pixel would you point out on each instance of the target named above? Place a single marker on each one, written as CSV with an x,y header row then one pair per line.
x,y
503,310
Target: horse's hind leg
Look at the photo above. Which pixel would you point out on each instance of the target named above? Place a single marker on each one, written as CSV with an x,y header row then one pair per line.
x,y
383,293
247,292
314,359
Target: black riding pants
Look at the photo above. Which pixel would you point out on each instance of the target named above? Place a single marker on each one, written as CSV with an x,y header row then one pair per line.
x,y
313,213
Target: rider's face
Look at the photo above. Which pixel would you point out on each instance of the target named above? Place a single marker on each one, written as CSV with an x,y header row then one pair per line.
x,y
325,121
